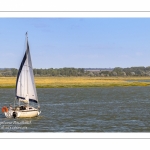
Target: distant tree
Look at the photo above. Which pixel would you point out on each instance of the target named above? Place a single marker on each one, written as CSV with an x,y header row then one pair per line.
x,y
147,68
114,73
123,73
14,72
102,75
132,73
117,69
127,71
148,73
34,71
91,74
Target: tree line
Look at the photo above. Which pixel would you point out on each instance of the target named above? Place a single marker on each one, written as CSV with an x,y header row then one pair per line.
x,y
46,72
62,72
132,71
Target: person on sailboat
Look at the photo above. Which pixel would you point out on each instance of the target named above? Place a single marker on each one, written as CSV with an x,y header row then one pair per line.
x,y
27,98
27,101
10,107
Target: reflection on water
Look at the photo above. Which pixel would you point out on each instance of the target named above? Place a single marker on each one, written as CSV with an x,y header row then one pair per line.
x,y
115,109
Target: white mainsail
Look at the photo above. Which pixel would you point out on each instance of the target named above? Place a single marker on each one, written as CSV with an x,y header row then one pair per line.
x,y
25,86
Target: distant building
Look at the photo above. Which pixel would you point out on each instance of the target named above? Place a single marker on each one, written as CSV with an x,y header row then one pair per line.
x,y
98,69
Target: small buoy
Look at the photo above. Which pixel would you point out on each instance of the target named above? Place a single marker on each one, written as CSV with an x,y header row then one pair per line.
x,y
4,109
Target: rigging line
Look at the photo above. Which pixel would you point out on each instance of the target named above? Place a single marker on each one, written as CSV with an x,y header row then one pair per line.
x,y
27,78
24,81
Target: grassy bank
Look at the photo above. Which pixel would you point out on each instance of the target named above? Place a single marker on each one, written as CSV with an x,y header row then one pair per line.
x,y
54,82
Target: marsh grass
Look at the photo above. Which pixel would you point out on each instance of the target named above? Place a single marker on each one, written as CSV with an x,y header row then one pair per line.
x,y
66,82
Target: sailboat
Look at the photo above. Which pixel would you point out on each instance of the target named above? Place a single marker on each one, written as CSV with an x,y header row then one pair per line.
x,y
25,91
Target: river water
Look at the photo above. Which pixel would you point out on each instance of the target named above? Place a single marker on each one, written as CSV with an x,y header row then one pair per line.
x,y
114,109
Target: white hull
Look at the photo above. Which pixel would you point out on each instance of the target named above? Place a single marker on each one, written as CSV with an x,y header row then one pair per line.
x,y
23,113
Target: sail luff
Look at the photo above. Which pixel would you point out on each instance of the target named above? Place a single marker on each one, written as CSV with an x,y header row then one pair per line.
x,y
19,71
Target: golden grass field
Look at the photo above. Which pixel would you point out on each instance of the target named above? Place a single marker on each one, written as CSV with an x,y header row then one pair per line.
x,y
59,82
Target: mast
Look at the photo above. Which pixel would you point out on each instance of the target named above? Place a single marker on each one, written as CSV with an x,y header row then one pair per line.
x,y
27,64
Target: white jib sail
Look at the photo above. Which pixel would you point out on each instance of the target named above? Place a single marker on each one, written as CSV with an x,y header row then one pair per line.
x,y
25,86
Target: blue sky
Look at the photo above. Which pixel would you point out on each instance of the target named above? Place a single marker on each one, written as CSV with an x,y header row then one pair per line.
x,y
76,42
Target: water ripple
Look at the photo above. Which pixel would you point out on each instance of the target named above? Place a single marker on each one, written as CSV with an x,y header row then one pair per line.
x,y
116,109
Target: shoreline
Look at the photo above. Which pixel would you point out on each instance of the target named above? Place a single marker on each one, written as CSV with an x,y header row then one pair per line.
x,y
79,82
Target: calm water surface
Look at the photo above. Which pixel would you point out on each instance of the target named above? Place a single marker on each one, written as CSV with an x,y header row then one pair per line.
x,y
116,109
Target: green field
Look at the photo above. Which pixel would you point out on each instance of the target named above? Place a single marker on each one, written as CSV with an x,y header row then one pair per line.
x,y
59,82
